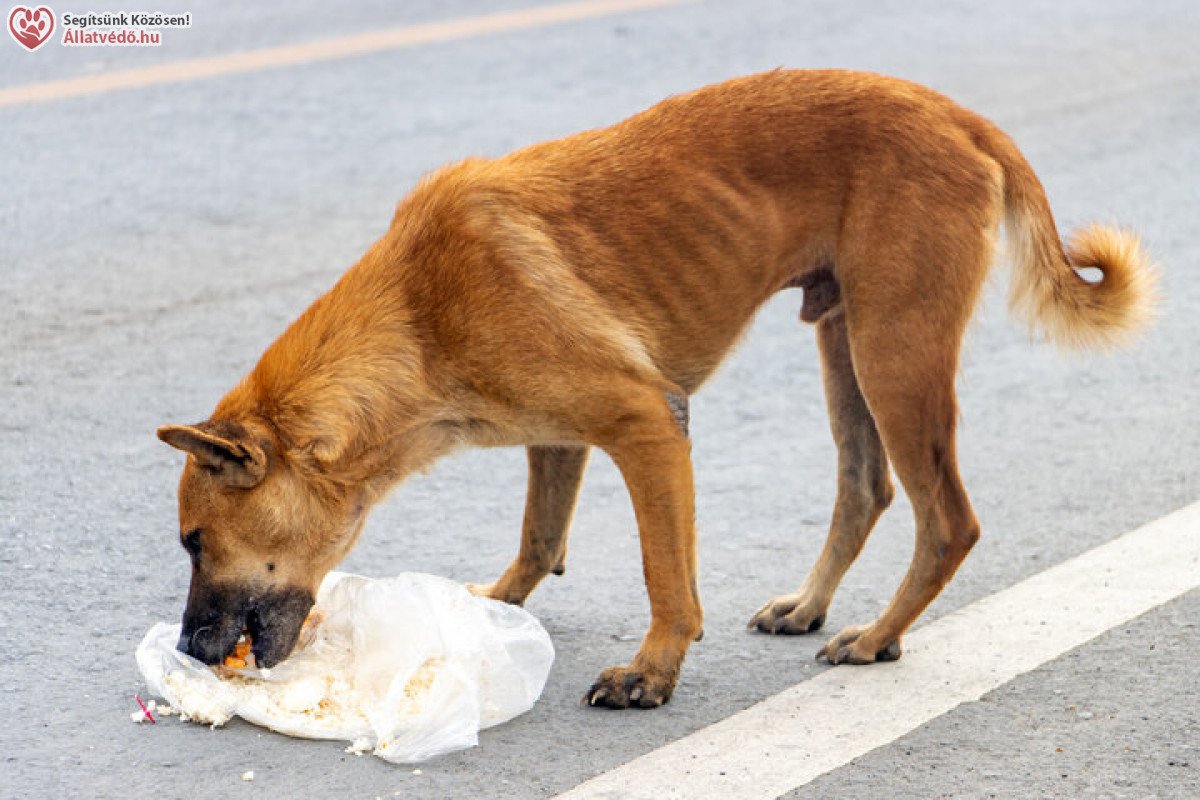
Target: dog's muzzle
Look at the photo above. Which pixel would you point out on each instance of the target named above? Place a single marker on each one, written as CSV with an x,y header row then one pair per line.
x,y
216,617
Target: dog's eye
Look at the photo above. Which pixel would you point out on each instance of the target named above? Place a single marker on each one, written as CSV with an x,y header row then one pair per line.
x,y
191,542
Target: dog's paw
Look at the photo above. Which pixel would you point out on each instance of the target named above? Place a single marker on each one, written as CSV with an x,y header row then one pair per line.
x,y
856,645
790,614
622,687
495,592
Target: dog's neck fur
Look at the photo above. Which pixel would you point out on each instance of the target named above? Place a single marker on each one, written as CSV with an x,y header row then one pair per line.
x,y
351,391
338,391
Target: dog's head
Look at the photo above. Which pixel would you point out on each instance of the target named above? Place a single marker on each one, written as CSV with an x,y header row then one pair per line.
x,y
261,535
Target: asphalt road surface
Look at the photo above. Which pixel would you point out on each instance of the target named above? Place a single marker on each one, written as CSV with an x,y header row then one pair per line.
x,y
154,240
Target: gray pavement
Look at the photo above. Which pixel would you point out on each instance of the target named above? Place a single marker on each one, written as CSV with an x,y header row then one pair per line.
x,y
153,242
1087,726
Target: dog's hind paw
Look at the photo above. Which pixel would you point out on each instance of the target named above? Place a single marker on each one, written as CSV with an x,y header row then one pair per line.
x,y
856,645
795,613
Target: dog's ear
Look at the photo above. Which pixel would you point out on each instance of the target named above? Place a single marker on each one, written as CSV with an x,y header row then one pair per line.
x,y
229,452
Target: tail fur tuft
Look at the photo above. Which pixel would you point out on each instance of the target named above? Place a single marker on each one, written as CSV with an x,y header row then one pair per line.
x,y
1047,290
1049,293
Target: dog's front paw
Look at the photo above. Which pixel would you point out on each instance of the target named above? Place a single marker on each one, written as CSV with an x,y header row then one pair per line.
x,y
857,645
790,614
496,592
622,687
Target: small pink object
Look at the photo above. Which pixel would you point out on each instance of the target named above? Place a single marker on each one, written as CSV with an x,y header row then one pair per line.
x,y
145,710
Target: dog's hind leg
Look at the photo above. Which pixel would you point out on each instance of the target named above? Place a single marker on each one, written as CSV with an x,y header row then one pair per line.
x,y
864,488
555,474
904,336
915,411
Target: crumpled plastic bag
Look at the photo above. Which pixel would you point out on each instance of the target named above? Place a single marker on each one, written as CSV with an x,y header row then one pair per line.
x,y
410,667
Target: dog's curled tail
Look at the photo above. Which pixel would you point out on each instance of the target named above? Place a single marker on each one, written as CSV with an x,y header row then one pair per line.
x,y
1047,291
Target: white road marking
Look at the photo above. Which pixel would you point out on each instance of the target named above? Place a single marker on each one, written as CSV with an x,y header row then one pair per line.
x,y
325,49
817,726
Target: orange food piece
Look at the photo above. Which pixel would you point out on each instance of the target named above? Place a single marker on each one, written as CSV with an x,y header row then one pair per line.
x,y
241,654
314,618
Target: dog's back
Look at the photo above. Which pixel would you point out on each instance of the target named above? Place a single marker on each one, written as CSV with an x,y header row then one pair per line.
x,y
684,219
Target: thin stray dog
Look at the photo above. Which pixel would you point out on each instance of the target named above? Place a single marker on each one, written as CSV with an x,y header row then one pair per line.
x,y
574,293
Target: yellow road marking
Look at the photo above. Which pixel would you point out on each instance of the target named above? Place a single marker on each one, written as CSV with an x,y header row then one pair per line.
x,y
323,50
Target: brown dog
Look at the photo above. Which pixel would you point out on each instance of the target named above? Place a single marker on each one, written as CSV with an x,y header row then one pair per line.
x,y
574,293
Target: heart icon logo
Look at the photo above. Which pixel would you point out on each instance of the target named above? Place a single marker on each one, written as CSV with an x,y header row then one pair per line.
x,y
31,28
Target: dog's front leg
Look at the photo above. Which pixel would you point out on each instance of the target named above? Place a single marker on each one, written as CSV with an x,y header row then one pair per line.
x,y
651,448
554,477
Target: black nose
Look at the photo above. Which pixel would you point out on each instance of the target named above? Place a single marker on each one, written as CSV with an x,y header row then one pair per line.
x,y
210,643
191,642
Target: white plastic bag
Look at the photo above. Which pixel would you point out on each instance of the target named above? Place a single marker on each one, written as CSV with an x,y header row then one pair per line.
x,y
410,667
